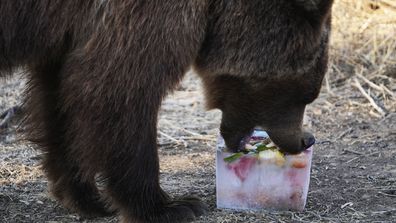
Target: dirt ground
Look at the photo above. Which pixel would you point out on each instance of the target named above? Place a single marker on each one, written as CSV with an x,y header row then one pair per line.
x,y
353,177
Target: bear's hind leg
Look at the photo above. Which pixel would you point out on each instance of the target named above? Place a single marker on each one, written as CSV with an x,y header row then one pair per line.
x,y
48,129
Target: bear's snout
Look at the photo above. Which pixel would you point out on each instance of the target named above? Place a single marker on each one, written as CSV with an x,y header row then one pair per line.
x,y
308,140
293,142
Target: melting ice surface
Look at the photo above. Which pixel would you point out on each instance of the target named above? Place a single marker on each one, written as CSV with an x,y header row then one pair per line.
x,y
251,182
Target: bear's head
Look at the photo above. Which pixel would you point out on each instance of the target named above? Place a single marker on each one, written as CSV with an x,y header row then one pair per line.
x,y
261,63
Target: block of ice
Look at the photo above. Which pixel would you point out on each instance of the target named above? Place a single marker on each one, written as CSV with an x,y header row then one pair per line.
x,y
261,177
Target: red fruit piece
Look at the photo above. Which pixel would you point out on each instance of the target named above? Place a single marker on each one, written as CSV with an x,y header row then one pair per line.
x,y
299,164
299,161
242,167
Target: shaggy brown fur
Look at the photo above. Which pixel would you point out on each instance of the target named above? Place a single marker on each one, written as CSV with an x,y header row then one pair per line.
x,y
99,70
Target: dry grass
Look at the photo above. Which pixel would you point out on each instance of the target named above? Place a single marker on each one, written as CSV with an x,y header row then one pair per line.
x,y
363,54
16,173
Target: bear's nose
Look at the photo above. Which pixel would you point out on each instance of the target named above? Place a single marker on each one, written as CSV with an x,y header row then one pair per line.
x,y
308,140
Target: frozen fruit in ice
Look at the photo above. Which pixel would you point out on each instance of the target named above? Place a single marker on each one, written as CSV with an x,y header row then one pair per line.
x,y
233,157
299,161
271,155
250,147
261,176
299,164
271,144
242,167
254,145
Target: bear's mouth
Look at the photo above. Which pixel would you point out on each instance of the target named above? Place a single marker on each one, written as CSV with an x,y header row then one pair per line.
x,y
253,137
244,141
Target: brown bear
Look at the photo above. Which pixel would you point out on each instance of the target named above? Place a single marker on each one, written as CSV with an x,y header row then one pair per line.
x,y
99,69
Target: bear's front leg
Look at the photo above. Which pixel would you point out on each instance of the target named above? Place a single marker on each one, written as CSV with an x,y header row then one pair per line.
x,y
112,90
114,128
133,183
132,171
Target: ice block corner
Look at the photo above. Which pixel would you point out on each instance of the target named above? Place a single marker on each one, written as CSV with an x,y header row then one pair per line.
x,y
261,177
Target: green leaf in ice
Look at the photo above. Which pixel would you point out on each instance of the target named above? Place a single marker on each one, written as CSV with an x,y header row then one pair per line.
x,y
273,148
262,147
233,157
